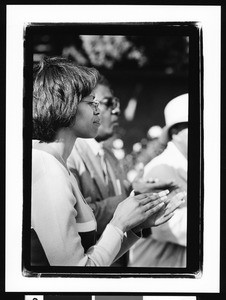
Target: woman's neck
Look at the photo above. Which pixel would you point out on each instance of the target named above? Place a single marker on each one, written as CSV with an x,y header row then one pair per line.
x,y
64,143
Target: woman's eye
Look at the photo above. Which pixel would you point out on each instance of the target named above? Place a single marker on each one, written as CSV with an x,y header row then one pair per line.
x,y
92,104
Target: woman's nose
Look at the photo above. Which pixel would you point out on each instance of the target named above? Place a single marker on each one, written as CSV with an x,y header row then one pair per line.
x,y
96,111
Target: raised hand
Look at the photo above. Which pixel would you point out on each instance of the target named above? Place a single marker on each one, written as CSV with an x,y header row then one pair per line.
x,y
165,213
135,210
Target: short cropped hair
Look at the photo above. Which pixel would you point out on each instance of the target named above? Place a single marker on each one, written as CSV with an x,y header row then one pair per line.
x,y
102,80
58,86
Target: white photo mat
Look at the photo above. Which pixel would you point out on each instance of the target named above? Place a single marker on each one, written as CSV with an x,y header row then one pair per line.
x,y
18,16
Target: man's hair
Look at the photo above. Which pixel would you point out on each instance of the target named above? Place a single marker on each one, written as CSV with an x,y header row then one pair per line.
x,y
58,86
176,128
103,81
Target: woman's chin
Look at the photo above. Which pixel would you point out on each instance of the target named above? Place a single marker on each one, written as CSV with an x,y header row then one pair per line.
x,y
88,136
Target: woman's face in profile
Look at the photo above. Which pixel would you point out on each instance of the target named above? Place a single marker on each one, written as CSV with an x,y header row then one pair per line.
x,y
87,120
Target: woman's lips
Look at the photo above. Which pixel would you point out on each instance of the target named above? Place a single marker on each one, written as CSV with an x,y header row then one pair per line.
x,y
97,122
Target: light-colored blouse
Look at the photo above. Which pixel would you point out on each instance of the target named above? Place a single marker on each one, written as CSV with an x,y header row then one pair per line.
x,y
64,222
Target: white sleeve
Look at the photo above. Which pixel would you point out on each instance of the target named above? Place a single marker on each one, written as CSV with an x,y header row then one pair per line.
x,y
54,220
107,247
129,239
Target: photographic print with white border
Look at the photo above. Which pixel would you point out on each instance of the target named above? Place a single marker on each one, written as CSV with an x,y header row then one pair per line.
x,y
209,19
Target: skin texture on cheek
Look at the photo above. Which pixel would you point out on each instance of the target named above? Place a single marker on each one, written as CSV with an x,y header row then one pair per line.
x,y
107,128
84,126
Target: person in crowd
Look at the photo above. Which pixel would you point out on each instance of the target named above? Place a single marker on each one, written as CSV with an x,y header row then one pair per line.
x,y
144,151
63,226
101,178
166,246
101,183
156,142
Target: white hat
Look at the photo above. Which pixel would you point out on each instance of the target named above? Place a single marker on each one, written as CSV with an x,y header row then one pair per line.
x,y
176,111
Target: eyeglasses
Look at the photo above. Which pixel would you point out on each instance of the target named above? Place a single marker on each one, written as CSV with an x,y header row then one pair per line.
x,y
110,102
93,104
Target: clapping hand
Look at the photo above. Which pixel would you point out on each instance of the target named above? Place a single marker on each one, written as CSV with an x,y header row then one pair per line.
x,y
165,213
135,210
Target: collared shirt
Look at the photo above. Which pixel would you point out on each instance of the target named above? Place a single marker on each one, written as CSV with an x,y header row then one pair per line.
x,y
94,145
114,184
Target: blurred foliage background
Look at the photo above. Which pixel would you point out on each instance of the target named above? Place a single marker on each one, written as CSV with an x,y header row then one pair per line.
x,y
145,72
164,54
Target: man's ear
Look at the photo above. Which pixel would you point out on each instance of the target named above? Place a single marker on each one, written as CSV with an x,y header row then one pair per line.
x,y
174,131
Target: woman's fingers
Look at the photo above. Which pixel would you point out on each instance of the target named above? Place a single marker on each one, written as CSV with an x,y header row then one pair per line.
x,y
159,202
153,207
147,197
149,209
163,219
175,202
